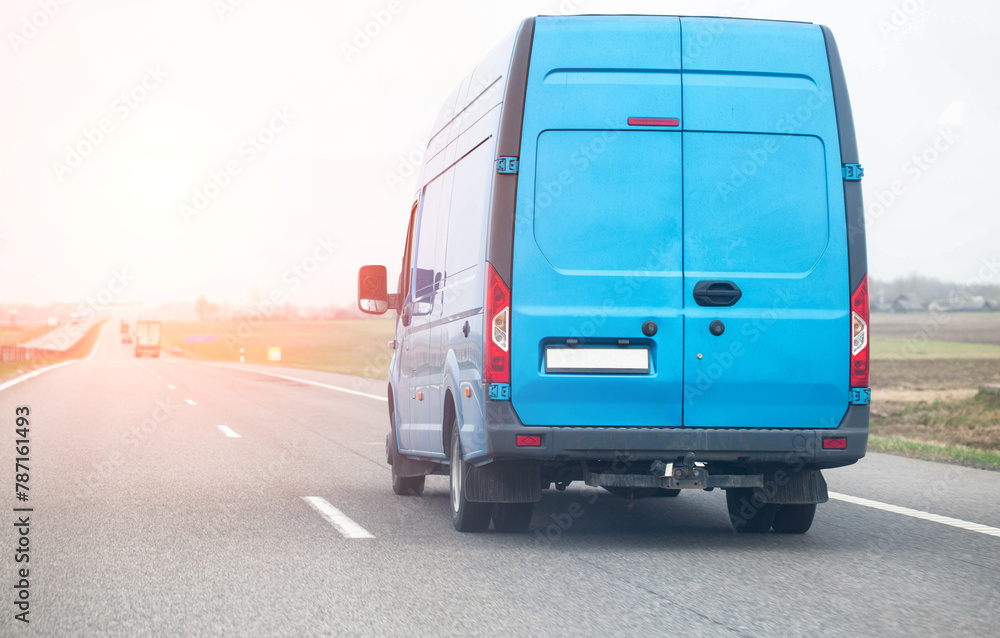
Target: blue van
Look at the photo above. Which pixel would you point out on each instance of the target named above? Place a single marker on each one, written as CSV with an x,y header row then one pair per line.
x,y
636,259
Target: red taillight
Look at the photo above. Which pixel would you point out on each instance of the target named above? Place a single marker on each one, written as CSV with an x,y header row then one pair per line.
x,y
835,444
497,336
527,440
859,335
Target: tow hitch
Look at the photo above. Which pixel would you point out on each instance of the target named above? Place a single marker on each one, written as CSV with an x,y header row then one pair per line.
x,y
674,476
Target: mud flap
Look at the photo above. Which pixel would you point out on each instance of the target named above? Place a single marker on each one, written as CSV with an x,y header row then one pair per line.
x,y
782,487
503,484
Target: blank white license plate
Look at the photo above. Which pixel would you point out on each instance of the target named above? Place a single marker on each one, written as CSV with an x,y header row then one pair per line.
x,y
597,360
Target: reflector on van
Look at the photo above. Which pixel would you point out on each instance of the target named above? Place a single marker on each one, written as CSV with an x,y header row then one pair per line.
x,y
529,440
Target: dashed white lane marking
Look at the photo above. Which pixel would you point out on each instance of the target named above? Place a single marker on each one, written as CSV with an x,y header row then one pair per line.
x,y
171,387
159,378
344,525
190,402
228,431
925,516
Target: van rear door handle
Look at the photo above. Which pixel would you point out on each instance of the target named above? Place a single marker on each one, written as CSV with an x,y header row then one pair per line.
x,y
716,293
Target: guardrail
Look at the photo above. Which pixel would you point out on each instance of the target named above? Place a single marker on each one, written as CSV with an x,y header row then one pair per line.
x,y
17,353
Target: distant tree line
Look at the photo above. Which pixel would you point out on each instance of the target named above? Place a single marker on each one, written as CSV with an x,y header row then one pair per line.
x,y
928,288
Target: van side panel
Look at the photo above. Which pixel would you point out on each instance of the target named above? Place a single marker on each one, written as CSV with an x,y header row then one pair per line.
x,y
763,208
435,356
461,328
419,343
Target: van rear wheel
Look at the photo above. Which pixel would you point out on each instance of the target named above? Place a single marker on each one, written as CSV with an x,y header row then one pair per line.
x,y
466,515
794,519
747,515
512,518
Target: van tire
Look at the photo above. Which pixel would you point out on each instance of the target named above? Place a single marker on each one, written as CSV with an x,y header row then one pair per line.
x,y
466,515
512,518
794,519
746,516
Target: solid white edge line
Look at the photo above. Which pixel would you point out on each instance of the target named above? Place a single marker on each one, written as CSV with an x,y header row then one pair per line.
x,y
35,373
344,525
190,402
228,431
926,516
305,381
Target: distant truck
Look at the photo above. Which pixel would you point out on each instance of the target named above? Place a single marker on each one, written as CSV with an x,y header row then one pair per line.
x,y
126,331
147,338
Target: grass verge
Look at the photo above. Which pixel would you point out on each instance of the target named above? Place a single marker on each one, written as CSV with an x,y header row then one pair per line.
x,y
972,422
985,459
895,348
79,350
355,347
22,333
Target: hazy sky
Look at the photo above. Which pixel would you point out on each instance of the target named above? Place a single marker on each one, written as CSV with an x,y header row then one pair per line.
x,y
116,114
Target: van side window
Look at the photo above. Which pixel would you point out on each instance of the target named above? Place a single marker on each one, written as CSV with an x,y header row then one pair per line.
x,y
470,208
429,266
404,272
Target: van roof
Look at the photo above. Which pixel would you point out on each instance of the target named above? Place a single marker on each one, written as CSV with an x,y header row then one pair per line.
x,y
667,15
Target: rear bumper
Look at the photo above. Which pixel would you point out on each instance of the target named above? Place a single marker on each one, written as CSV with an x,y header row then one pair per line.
x,y
782,446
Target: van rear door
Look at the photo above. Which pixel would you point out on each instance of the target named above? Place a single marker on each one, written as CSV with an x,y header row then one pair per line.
x,y
764,211
597,250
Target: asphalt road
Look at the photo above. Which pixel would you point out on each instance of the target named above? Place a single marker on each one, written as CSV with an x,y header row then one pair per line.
x,y
149,519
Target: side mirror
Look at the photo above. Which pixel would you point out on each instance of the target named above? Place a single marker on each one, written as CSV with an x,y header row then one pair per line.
x,y
373,298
